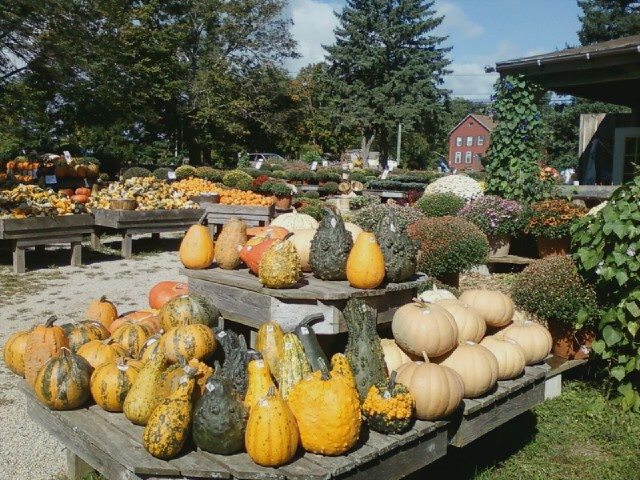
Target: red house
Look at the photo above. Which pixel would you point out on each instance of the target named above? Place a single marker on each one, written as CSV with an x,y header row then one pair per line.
x,y
469,142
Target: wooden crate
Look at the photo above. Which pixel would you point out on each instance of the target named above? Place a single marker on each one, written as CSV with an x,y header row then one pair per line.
x,y
254,216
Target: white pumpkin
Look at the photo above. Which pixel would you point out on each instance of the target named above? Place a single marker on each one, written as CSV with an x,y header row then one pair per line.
x,y
301,239
471,325
424,328
495,307
394,356
510,355
435,294
295,221
534,339
477,366
353,229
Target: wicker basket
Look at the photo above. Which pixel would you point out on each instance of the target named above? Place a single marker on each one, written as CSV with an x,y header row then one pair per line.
x,y
123,204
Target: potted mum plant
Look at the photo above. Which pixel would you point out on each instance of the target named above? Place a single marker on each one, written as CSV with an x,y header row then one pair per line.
x,y
498,218
550,221
281,191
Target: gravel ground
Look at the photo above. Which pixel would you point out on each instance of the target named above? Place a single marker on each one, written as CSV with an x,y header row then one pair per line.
x,y
26,451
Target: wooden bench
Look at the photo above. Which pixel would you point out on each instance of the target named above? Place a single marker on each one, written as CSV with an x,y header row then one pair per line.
x,y
40,231
254,216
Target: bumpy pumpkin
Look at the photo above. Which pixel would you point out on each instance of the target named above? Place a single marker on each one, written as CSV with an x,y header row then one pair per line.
x,y
63,381
253,251
189,341
295,221
394,356
471,325
132,336
173,374
272,437
509,354
534,339
187,310
110,384
236,359
144,395
294,365
476,365
97,352
330,248
340,366
301,239
420,327
399,251
44,342
495,307
13,352
365,263
230,241
259,381
84,332
280,266
197,248
162,292
327,410
270,344
388,408
103,311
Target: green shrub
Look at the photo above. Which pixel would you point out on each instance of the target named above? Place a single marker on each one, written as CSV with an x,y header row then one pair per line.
x,y
135,172
279,189
448,245
369,217
209,173
327,175
253,172
185,171
358,177
161,173
104,177
315,208
329,188
440,204
363,201
311,194
275,167
278,174
87,161
235,178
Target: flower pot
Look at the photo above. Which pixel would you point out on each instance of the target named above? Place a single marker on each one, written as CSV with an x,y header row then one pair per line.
x,y
283,202
553,246
499,245
451,279
569,343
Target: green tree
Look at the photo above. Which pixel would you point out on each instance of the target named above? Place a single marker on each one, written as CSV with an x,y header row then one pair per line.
x,y
388,67
608,19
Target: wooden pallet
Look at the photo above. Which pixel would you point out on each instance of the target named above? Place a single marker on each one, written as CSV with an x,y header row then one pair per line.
x,y
254,216
40,231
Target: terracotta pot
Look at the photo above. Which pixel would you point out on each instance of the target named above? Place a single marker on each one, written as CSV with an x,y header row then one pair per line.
x,y
569,343
553,246
499,245
451,279
283,203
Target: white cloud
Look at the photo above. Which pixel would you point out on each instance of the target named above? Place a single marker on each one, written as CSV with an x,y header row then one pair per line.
x,y
457,21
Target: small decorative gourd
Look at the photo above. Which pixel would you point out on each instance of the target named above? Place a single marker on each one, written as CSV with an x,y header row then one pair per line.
x,y
365,263
187,310
44,342
230,241
399,251
197,249
294,365
509,354
388,408
471,325
477,366
132,336
272,437
421,327
173,374
394,356
270,344
97,352
144,395
534,339
280,266
84,332
259,381
340,366
13,352
495,307
189,341
150,347
110,383
63,381
103,311
330,248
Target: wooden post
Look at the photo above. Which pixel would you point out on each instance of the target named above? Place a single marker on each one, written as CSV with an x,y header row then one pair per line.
x,y
18,258
77,468
127,245
76,254
96,244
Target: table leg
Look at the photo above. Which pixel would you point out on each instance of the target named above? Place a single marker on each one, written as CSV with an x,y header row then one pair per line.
x,y
253,338
18,258
127,245
96,244
155,236
77,468
76,254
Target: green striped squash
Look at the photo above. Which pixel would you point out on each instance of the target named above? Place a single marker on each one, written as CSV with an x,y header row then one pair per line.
x,y
111,382
84,332
63,382
188,310
132,336
189,342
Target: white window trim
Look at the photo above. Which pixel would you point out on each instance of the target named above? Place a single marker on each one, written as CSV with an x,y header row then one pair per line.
x,y
470,141
468,158
618,151
480,140
458,157
458,141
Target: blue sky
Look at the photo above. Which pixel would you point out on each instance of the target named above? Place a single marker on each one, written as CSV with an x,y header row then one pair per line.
x,y
481,32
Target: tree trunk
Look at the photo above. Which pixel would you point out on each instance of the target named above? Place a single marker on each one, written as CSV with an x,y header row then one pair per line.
x,y
384,147
367,140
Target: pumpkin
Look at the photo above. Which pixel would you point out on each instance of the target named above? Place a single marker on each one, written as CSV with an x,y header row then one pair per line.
x,y
85,332
79,198
301,239
230,241
280,266
150,347
471,325
197,249
67,192
388,408
294,365
327,410
83,191
220,418
13,352
253,251
97,352
110,383
259,381
81,171
534,339
189,341
162,292
63,381
236,360
394,356
271,438
436,389
142,317
187,310
93,170
43,343
144,395
435,294
365,263
419,327
135,364
307,336
61,170
173,374
340,366
399,251
495,307
102,311
167,429
330,248
363,349
477,366
295,221
270,344
510,356
132,336
270,231
354,230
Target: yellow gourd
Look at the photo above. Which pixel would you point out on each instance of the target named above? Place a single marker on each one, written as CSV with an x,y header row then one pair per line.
x,y
144,396
259,381
230,242
270,343
197,249
365,264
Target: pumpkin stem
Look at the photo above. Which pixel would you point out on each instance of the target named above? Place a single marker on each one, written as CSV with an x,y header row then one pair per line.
x,y
424,355
103,298
202,218
121,364
64,351
183,362
313,318
287,236
50,321
324,371
392,380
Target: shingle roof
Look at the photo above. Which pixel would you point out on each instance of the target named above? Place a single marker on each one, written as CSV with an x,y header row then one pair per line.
x,y
484,120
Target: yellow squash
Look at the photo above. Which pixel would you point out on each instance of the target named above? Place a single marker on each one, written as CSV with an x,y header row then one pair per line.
x,y
365,264
259,381
110,384
144,396
270,343
197,249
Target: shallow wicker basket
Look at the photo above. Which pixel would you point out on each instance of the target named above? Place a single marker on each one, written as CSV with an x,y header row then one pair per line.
x,y
123,204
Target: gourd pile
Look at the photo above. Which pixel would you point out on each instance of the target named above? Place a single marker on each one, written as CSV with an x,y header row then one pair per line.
x,y
228,196
150,194
32,201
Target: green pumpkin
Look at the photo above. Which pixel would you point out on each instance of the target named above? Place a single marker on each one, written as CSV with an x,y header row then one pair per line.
x,y
330,248
398,249
186,310
236,359
294,366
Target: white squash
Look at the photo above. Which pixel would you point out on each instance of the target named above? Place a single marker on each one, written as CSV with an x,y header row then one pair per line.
x,y
354,230
435,294
295,221
301,239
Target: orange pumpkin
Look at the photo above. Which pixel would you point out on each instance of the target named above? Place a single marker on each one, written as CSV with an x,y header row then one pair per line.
x,y
83,191
162,292
142,317
79,198
67,192
253,250
268,232
44,342
102,311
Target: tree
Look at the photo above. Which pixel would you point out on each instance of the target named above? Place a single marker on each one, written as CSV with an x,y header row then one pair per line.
x,y
389,69
608,19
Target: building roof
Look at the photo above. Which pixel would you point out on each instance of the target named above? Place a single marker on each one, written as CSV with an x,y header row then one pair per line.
x,y
484,120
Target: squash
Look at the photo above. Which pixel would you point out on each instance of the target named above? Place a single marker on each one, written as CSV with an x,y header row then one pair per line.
x,y
301,239
230,241
13,352
420,327
307,336
330,248
135,364
477,366
294,365
144,395
280,266
167,429
132,336
295,221
103,311
173,374
471,325
162,292
253,251
436,389
388,408
187,310
44,342
110,383
197,248
394,356
236,360
534,339
510,356
363,349
354,230
340,366
495,307
97,352
189,341
259,381
270,344
435,294
84,332
142,317
327,410
365,263
220,419
271,438
150,347
270,231
399,251
63,381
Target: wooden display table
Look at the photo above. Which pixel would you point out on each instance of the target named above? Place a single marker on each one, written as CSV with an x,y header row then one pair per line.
x,y
131,222
254,216
41,231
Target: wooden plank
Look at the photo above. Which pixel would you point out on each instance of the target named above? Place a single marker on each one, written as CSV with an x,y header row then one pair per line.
x,y
120,219
219,208
511,259
241,467
18,258
559,365
76,254
38,224
57,239
77,469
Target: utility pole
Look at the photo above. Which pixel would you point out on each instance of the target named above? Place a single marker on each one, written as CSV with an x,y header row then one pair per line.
x,y
399,144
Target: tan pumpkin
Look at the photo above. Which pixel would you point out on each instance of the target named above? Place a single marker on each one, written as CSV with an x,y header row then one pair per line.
x,y
534,339
436,389
510,356
301,239
495,307
394,356
103,311
295,221
44,342
419,327
197,248
365,263
270,344
111,382
97,352
63,381
354,230
471,325
230,241
477,366
189,342
13,352
259,381
132,336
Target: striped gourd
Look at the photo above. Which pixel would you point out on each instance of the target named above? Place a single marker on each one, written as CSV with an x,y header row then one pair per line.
x,y
84,332
111,382
187,310
294,365
97,352
150,347
189,341
144,395
132,336
63,382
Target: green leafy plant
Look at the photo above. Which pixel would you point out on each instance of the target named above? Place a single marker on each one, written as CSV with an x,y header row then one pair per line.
x,y
234,178
326,175
494,215
329,188
280,174
161,173
368,218
440,204
310,194
135,172
358,176
607,246
279,189
254,172
185,171
363,201
315,208
209,173
275,167
552,218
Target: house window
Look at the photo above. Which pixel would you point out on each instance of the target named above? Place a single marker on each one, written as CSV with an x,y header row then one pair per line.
x,y
467,157
458,141
469,141
458,157
480,140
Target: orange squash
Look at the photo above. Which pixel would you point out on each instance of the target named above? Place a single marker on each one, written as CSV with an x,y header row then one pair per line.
x,y
253,250
162,292
44,342
13,352
268,232
197,249
102,311
365,264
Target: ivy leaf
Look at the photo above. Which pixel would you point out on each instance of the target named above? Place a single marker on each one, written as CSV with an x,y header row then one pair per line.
x,y
633,310
611,335
621,277
618,373
598,346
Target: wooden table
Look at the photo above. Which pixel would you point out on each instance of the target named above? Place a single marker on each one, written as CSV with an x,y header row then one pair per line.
x,y
254,216
131,222
241,298
40,231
